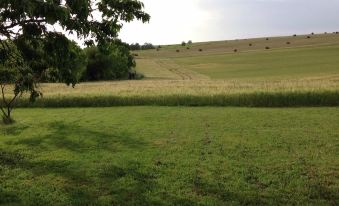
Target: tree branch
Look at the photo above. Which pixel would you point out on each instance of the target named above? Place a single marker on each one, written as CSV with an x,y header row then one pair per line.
x,y
24,22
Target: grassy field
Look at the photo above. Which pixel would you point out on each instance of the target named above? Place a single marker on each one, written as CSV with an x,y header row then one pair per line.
x,y
170,156
303,73
317,59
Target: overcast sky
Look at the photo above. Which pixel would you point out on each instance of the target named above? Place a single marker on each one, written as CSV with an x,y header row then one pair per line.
x,y
173,21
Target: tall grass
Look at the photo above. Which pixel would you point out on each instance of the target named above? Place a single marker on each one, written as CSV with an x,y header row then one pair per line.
x,y
254,99
291,93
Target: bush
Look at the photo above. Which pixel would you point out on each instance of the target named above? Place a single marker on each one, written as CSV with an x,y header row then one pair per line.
x,y
308,37
183,43
294,35
200,50
250,45
187,48
312,33
267,47
288,42
178,50
235,50
109,63
139,76
267,39
190,42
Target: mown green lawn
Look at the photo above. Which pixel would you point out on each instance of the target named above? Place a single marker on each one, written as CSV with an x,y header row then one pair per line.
x,y
170,156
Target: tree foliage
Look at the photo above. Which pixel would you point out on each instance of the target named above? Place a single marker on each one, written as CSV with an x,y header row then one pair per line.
x,y
109,63
34,42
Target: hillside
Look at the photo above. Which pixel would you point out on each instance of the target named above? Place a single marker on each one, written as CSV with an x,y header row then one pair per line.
x,y
303,56
304,73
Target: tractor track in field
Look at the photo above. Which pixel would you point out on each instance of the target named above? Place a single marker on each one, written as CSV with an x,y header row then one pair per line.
x,y
181,73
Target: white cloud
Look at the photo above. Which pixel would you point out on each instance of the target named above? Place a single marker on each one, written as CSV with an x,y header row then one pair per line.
x,y
204,20
171,22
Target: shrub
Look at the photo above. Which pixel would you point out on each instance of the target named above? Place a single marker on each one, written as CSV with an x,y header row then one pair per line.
x,y
178,50
158,49
267,47
190,42
337,32
187,48
111,63
250,45
139,76
294,35
308,37
312,33
235,50
183,43
288,42
267,39
200,50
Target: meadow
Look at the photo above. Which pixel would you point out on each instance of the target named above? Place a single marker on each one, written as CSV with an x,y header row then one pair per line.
x,y
213,127
304,73
170,156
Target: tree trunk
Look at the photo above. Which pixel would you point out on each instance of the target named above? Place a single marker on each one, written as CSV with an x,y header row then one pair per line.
x,y
6,107
7,119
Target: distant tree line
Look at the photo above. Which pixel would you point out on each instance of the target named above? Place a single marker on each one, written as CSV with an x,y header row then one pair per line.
x,y
145,46
96,63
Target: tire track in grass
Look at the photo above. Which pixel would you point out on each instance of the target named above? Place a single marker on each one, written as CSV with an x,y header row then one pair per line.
x,y
181,73
201,187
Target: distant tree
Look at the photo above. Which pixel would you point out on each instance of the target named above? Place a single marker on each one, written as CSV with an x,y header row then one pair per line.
x,y
28,25
147,46
183,43
135,47
109,63
190,42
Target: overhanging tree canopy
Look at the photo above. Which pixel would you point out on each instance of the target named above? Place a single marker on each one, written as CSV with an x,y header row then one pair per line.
x,y
34,37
